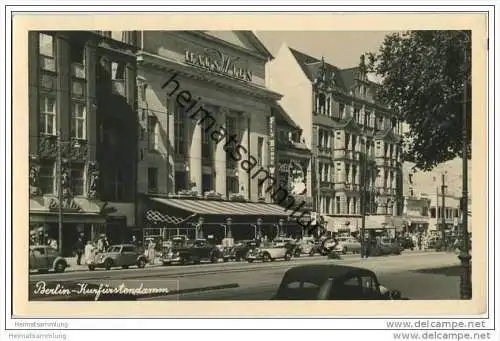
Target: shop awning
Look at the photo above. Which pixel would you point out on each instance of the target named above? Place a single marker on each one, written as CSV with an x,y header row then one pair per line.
x,y
212,207
154,216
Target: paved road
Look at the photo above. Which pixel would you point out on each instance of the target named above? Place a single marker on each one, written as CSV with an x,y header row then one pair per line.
x,y
258,281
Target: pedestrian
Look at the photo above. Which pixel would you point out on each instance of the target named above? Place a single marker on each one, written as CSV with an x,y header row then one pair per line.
x,y
78,249
420,242
134,240
53,244
89,253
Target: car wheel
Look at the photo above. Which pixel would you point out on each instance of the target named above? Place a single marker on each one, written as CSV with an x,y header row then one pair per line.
x,y
344,250
91,268
311,254
214,259
108,264
141,263
165,263
250,260
60,266
266,257
288,256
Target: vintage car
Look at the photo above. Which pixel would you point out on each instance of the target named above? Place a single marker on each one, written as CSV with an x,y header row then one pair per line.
x,y
191,251
123,255
44,258
332,282
385,246
406,243
348,244
269,253
240,250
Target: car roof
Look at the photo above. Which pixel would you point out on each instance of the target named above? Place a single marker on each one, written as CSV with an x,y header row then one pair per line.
x,y
324,271
122,245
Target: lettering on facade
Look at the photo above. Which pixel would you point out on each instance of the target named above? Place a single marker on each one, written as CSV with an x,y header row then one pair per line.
x,y
218,62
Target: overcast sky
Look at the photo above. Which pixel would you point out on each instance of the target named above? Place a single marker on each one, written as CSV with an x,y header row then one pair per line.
x,y
340,48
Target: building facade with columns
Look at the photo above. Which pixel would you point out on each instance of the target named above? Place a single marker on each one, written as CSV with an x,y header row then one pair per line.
x,y
203,109
82,117
355,141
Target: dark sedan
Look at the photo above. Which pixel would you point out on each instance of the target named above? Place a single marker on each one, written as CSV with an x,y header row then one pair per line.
x,y
332,282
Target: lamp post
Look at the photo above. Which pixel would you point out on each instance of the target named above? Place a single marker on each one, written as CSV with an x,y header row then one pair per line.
x,y
199,228
362,202
465,257
59,192
443,209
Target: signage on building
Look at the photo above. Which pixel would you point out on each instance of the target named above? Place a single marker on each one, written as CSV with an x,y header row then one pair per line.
x,y
272,123
217,61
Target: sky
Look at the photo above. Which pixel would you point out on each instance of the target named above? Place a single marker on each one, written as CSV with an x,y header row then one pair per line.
x,y
340,48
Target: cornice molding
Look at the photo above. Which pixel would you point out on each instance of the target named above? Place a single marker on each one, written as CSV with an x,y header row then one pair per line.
x,y
162,63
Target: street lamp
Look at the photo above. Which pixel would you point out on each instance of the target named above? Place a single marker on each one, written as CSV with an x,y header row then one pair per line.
x,y
280,226
199,228
443,209
465,257
362,201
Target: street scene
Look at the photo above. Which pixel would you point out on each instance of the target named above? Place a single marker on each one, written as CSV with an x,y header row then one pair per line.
x,y
241,165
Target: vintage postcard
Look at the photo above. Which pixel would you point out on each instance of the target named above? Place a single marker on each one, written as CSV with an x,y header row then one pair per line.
x,y
244,164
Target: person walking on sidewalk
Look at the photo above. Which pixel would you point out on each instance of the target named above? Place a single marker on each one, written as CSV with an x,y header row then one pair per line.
x,y
78,249
89,254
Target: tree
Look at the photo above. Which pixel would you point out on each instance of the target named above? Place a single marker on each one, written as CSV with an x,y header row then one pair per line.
x,y
423,75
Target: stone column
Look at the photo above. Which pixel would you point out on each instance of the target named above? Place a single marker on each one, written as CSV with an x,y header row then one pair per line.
x,y
243,176
220,157
195,164
130,84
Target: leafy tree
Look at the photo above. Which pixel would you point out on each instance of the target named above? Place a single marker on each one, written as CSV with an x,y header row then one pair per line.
x,y
423,74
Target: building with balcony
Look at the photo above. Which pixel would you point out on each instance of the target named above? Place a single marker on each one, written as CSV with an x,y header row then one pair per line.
x,y
355,141
291,158
81,116
204,113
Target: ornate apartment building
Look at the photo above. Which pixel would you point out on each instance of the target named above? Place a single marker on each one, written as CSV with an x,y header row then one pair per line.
x,y
355,141
82,117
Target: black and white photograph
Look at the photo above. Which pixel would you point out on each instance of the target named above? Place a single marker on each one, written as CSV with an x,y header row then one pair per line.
x,y
188,170
203,158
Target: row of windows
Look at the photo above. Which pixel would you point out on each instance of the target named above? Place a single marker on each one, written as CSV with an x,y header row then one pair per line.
x,y
182,182
48,117
47,177
448,213
331,205
324,105
208,145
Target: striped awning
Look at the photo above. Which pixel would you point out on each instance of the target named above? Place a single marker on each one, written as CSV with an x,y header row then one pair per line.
x,y
154,216
213,207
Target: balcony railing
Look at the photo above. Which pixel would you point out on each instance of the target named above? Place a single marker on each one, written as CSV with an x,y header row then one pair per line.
x,y
324,150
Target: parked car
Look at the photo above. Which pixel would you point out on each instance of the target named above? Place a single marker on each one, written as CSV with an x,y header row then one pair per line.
x,y
269,253
385,246
191,251
348,244
406,243
123,255
240,250
44,258
332,282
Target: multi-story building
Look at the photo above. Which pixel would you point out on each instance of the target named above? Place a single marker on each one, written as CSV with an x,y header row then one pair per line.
x,y
355,141
81,118
203,110
291,158
423,198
